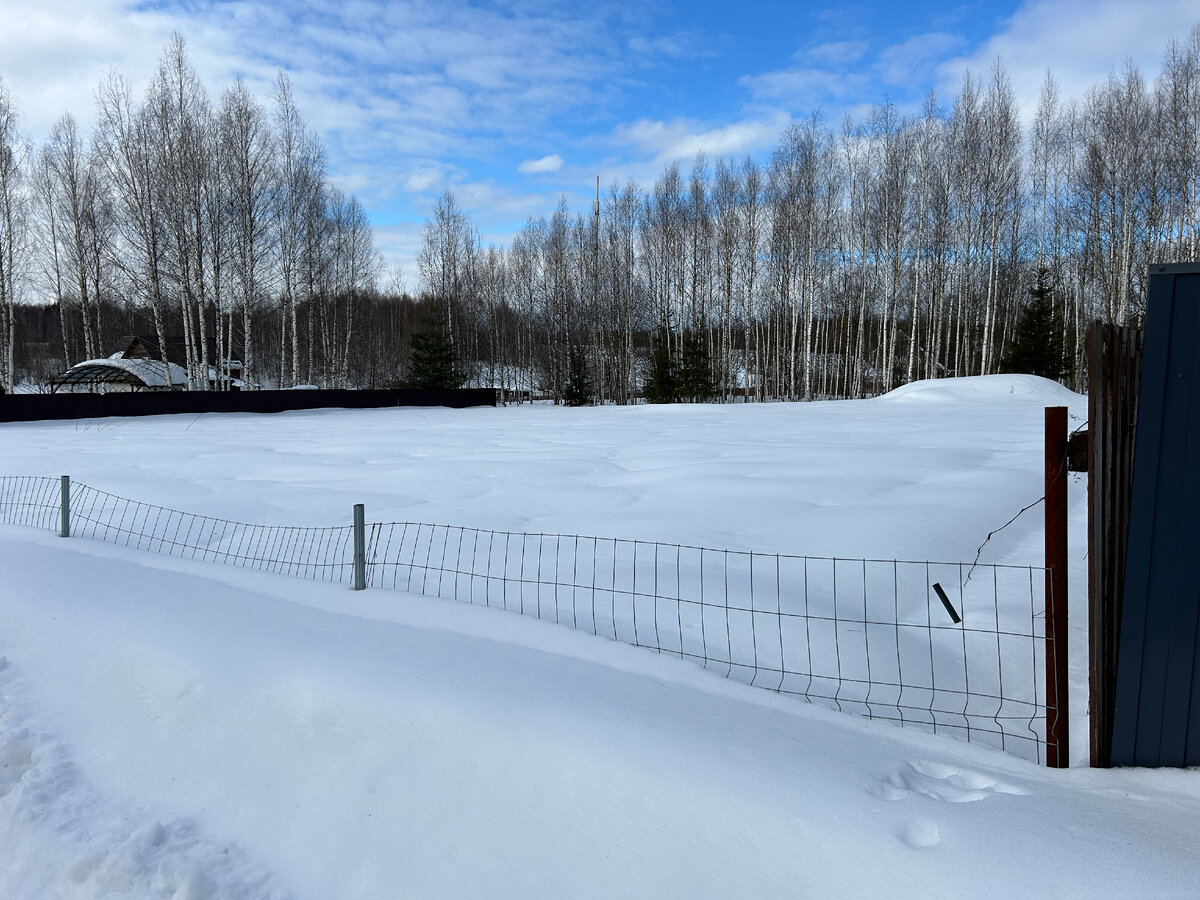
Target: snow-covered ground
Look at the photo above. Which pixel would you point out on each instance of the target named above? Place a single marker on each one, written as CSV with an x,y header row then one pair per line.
x,y
172,728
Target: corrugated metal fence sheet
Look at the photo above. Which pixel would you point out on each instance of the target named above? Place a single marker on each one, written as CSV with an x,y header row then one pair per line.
x,y
1114,367
1156,719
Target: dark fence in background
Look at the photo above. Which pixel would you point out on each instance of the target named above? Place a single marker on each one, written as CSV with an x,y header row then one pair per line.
x,y
35,407
944,647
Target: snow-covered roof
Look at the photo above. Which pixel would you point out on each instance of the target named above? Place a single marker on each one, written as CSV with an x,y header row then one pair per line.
x,y
146,373
214,376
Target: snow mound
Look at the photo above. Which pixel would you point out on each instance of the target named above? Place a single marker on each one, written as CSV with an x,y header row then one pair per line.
x,y
62,838
983,389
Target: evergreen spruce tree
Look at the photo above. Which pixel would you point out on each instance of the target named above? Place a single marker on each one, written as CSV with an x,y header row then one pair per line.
x,y
434,364
1037,346
695,372
579,390
662,382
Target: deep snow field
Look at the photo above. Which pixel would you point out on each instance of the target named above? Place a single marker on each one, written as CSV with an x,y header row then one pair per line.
x,y
180,729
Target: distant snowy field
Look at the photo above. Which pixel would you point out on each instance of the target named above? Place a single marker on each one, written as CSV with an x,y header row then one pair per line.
x,y
188,730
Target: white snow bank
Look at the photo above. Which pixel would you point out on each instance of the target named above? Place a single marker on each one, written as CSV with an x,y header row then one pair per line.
x,y
386,745
876,478
983,389
62,838
381,745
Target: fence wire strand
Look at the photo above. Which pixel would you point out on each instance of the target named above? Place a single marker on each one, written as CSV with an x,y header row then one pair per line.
x,y
320,554
858,635
30,500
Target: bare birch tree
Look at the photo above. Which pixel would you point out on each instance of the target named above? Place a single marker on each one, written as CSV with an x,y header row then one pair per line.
x,y
14,212
247,165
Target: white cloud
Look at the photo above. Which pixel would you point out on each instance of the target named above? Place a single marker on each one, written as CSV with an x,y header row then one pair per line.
x,y
833,52
493,205
351,182
53,54
420,180
494,209
551,163
400,243
1079,41
804,87
667,46
413,97
914,59
682,139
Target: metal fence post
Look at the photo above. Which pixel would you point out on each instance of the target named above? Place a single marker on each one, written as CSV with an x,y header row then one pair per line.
x,y
1057,688
64,521
360,548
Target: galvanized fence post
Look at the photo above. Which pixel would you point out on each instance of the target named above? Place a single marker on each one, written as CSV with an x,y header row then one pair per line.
x,y
360,548
64,521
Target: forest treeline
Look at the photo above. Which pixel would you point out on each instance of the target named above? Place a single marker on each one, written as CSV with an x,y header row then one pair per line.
x,y
200,225
859,257
893,248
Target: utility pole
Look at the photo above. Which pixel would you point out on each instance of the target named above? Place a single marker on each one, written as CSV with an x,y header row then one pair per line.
x,y
598,375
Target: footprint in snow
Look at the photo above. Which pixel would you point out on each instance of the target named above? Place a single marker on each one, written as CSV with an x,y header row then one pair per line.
x,y
938,781
920,833
16,759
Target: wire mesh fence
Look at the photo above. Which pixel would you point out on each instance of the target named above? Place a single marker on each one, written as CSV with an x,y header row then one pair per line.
x,y
322,554
873,637
939,646
30,500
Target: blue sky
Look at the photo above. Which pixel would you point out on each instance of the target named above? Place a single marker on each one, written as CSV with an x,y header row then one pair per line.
x,y
514,105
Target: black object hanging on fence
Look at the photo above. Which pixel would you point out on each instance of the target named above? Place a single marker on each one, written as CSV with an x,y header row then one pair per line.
x,y
941,592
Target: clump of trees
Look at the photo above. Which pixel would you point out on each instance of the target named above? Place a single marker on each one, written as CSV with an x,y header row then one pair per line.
x,y
859,257
682,374
662,379
216,221
1039,345
579,390
433,364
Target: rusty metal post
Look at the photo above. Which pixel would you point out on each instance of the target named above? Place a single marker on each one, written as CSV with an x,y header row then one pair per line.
x,y
1057,689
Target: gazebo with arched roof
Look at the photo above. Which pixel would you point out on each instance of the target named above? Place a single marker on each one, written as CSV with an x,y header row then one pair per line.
x,y
117,373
